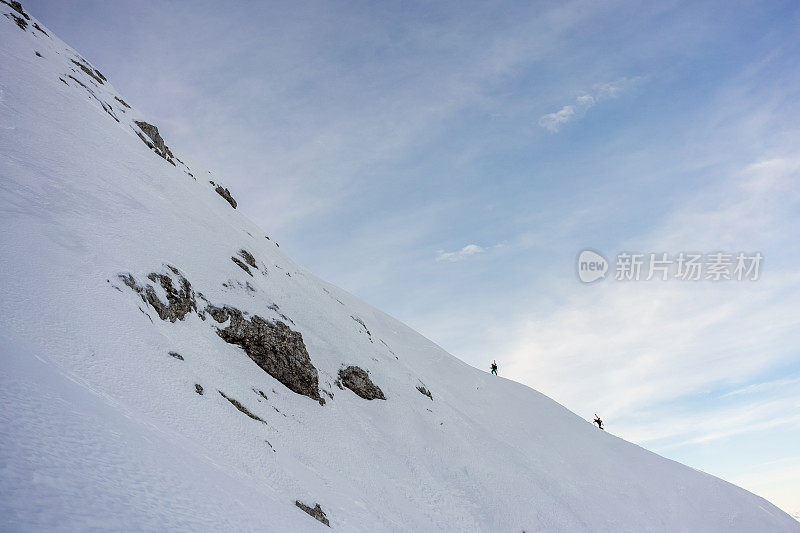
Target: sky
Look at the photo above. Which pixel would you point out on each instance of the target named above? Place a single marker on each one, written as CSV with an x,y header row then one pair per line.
x,y
447,162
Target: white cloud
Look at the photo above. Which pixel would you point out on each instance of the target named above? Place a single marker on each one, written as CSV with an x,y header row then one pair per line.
x,y
465,252
553,122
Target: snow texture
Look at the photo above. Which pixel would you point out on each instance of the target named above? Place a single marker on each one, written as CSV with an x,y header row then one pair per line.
x,y
100,428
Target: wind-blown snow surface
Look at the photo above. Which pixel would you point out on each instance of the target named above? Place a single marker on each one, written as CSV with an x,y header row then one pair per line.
x,y
102,429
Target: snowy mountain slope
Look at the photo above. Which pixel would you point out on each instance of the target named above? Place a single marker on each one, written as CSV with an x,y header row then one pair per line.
x,y
103,428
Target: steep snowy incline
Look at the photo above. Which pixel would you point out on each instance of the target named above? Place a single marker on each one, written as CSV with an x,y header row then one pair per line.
x,y
164,366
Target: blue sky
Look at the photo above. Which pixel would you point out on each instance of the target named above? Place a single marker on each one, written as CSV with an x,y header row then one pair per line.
x,y
446,163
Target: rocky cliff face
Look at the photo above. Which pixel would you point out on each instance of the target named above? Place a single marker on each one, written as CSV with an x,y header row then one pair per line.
x,y
357,380
273,346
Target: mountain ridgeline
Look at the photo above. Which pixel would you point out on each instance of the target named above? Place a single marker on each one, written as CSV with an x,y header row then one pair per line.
x,y
166,367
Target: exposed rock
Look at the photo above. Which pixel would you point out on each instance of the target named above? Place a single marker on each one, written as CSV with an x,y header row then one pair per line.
x,y
38,54
40,29
241,265
248,258
357,380
275,347
108,109
92,73
316,512
242,408
23,25
16,6
424,391
180,300
357,319
217,313
79,82
225,193
274,307
176,355
121,101
198,389
158,144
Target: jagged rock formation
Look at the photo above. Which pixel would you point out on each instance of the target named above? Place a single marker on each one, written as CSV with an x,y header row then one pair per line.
x,y
198,389
180,299
275,347
22,21
357,380
241,265
248,258
99,78
316,512
425,391
157,145
176,355
225,193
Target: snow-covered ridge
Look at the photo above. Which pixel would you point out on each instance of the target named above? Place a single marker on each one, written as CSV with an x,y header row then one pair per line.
x,y
164,365
73,70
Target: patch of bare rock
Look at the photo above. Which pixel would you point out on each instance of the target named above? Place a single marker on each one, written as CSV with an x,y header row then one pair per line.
x,y
315,511
357,380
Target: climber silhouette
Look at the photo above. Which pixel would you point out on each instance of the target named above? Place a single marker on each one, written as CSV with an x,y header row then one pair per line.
x,y
494,367
598,421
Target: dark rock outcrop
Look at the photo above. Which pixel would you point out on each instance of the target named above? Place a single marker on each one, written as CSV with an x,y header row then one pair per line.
x,y
21,21
176,355
37,27
198,389
96,76
225,193
157,144
180,299
16,6
242,408
357,380
248,258
425,391
363,325
241,265
273,346
316,512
